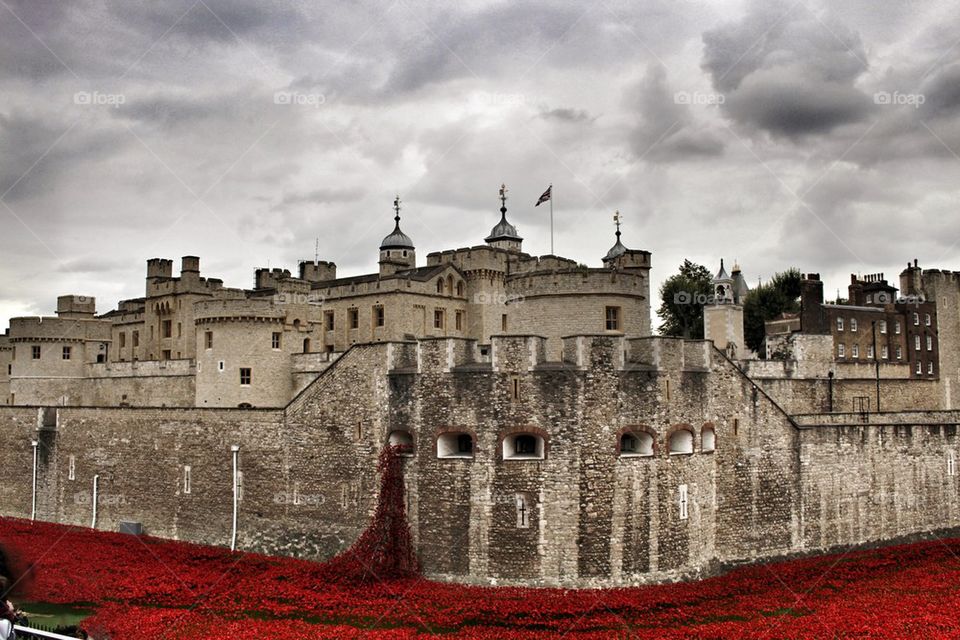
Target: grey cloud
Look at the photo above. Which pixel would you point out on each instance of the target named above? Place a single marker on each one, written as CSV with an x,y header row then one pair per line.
x,y
566,114
667,130
786,71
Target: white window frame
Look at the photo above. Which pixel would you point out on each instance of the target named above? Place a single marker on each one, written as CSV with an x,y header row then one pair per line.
x,y
930,368
916,319
896,327
841,350
187,479
853,324
883,326
72,468
885,352
899,352
916,343
919,368
839,324
926,319
929,343
855,351
870,352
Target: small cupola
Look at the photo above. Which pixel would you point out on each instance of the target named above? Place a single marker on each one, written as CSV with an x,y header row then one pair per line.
x,y
396,251
617,249
723,286
504,235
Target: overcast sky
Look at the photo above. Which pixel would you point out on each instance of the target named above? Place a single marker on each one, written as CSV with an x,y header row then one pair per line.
x,y
821,136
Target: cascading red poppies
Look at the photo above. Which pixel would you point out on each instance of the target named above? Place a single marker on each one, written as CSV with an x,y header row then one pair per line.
x,y
145,588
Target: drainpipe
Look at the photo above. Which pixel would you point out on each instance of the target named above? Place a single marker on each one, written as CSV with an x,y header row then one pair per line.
x,y
33,499
96,499
236,495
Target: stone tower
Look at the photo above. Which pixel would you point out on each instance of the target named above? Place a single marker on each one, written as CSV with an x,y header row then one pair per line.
x,y
723,315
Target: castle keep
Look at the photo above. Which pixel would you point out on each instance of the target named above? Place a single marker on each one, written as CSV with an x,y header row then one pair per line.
x,y
548,437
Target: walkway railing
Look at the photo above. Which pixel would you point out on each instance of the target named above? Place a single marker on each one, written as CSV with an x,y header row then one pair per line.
x,y
28,632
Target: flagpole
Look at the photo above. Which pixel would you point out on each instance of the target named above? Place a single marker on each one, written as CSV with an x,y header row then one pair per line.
x,y
551,219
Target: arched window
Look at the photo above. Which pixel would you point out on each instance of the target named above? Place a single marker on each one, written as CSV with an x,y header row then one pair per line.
x,y
455,445
523,446
681,442
636,444
401,439
450,285
460,288
440,285
708,439
306,345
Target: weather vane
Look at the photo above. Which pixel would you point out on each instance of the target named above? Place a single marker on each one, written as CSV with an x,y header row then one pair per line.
x,y
503,194
396,207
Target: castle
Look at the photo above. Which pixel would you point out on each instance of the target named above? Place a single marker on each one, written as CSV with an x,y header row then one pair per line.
x,y
549,438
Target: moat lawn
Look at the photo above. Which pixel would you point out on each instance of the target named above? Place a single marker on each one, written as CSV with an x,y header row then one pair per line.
x,y
148,588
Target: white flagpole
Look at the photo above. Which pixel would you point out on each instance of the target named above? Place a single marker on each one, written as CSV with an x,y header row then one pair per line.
x,y
551,219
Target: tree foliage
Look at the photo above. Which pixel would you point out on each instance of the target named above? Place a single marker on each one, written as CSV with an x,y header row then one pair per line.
x,y
767,301
682,297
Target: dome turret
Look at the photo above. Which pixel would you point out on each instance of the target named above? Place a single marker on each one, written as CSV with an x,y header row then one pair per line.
x,y
618,249
504,234
397,238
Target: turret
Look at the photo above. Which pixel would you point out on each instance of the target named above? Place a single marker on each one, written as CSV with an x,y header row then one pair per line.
x,y
910,280
396,251
504,235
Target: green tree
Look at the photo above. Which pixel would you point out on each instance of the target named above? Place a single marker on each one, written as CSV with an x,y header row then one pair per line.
x,y
682,297
767,301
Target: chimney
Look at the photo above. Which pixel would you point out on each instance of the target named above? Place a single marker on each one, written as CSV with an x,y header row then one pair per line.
x,y
811,305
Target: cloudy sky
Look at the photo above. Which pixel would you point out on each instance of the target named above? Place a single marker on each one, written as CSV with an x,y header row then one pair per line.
x,y
818,135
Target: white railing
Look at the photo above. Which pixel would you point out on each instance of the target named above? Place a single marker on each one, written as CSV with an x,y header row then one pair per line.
x,y
27,632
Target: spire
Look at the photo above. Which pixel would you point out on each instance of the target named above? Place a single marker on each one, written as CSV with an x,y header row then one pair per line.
x,y
503,230
398,239
617,249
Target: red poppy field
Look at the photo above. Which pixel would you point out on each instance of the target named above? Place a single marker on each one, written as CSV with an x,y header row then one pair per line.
x,y
150,588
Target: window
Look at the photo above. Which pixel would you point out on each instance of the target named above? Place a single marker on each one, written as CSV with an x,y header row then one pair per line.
x,y
885,352
681,442
353,317
245,375
523,511
883,326
401,439
187,479
460,288
66,352
951,464
208,339
916,343
503,322
919,368
515,388
613,318
35,351
899,352
926,319
72,468
136,338
458,320
839,324
167,328
328,320
523,446
930,368
929,343
455,445
378,317
123,339
220,365
682,491
440,285
165,354
855,351
636,444
870,351
708,440
853,324
896,327
841,351
438,318
179,330
916,319
275,340
306,345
